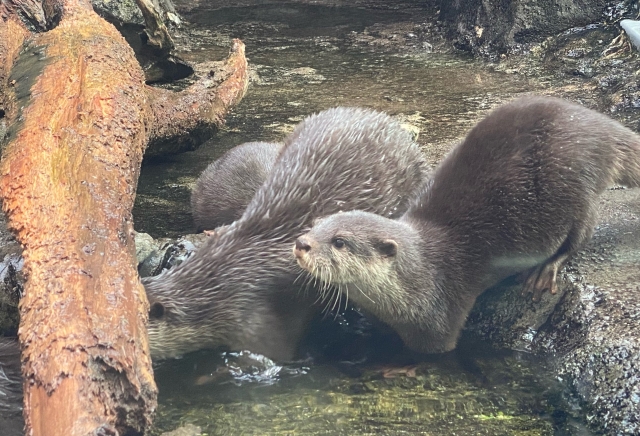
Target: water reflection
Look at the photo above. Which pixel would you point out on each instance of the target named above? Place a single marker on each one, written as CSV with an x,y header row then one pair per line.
x,y
469,392
440,94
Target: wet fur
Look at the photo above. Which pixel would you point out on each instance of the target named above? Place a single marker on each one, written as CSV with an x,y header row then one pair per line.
x,y
239,289
519,193
226,186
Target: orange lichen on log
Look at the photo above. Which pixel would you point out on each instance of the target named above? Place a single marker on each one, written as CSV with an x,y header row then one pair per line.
x,y
68,179
79,117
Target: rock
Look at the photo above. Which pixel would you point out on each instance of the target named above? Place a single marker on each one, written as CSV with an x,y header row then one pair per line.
x,y
128,12
157,255
145,245
11,280
632,28
490,28
11,421
591,328
128,19
122,11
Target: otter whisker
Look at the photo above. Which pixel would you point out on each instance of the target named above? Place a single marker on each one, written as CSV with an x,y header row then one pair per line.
x,y
301,274
336,300
363,293
346,301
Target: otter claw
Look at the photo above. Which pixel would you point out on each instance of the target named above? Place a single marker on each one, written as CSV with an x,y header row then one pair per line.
x,y
541,279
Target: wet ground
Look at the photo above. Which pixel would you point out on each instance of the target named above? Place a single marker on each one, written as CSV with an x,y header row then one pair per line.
x,y
305,58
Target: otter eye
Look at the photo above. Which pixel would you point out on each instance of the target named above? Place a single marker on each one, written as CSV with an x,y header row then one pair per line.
x,y
338,242
156,310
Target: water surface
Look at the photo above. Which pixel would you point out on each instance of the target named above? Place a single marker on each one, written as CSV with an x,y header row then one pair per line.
x,y
301,69
306,58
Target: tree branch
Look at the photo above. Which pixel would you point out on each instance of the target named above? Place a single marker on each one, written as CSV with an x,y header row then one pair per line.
x,y
201,108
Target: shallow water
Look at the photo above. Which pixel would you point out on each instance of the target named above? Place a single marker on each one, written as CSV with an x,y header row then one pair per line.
x,y
304,69
306,58
482,393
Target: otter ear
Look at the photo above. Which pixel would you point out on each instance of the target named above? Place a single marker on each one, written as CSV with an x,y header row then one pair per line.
x,y
388,247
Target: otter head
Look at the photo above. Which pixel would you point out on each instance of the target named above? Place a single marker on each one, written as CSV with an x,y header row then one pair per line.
x,y
228,298
350,247
181,322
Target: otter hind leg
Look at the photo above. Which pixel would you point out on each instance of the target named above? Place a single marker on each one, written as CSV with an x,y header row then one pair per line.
x,y
544,276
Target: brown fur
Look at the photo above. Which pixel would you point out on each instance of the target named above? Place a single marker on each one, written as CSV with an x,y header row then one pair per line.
x,y
519,193
238,290
226,186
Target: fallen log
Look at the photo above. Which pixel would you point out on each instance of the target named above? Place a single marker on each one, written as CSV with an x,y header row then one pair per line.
x,y
79,117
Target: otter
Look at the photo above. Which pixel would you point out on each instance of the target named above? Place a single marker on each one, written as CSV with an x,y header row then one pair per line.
x,y
520,193
240,288
226,186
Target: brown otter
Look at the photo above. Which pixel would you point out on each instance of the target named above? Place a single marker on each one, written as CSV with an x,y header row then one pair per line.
x,y
226,186
238,290
520,192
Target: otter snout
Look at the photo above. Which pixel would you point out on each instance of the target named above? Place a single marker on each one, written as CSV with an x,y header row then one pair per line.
x,y
301,250
301,247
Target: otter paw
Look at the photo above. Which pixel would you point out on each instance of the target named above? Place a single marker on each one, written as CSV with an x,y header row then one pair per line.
x,y
522,277
541,279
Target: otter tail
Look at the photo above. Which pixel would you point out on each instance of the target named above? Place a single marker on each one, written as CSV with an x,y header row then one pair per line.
x,y
626,169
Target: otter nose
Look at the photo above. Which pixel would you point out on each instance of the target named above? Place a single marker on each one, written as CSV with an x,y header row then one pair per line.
x,y
301,247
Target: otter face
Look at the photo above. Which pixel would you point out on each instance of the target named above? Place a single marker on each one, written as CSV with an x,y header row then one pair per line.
x,y
351,247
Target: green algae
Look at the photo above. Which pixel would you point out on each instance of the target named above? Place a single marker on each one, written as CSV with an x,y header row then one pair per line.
x,y
506,394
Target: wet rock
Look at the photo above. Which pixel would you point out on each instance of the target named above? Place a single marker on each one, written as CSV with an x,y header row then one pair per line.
x,y
591,328
307,74
127,11
11,280
124,11
598,64
128,19
11,421
157,255
424,37
490,28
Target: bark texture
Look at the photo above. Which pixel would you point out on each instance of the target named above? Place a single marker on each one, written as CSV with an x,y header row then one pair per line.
x,y
67,182
183,120
79,118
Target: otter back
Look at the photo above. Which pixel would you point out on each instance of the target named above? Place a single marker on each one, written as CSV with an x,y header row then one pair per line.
x,y
519,194
239,289
226,186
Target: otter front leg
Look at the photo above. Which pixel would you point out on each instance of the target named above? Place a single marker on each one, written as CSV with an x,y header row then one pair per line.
x,y
437,332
